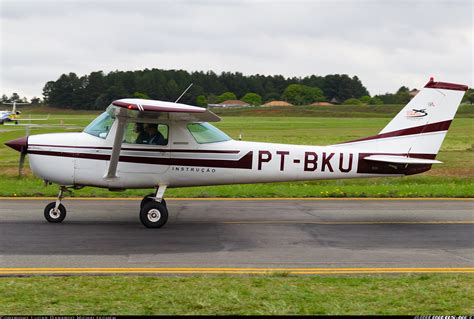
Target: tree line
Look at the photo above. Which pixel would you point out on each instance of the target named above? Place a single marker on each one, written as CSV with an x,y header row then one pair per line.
x,y
97,89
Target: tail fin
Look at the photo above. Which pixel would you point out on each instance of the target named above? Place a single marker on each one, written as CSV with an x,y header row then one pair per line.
x,y
418,130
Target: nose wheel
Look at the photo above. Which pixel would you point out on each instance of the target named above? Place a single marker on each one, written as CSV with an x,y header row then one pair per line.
x,y
55,212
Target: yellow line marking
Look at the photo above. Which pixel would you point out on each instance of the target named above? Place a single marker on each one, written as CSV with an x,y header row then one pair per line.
x,y
441,222
251,199
296,271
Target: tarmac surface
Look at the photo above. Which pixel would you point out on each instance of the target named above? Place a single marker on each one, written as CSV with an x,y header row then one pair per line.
x,y
242,233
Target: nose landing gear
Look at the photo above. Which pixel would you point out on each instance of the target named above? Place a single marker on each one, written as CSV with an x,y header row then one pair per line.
x,y
55,212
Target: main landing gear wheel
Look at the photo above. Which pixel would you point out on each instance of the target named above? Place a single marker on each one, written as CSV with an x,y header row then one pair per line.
x,y
148,199
53,215
153,215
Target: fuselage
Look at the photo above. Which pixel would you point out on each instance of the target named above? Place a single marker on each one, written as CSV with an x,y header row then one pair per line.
x,y
81,159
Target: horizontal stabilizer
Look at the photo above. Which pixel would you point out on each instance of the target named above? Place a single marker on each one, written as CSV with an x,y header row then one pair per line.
x,y
400,159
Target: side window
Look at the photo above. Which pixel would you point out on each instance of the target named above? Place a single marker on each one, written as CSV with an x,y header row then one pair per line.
x,y
146,133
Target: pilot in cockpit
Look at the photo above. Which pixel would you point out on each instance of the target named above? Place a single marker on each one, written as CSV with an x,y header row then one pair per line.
x,y
142,135
155,137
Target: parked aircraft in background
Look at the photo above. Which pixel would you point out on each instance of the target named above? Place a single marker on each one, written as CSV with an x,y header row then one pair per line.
x,y
14,114
140,143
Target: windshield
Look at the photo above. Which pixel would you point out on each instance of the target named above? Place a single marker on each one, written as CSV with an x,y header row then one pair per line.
x,y
206,133
100,126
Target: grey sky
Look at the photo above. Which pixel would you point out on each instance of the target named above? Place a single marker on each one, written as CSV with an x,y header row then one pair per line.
x,y
386,43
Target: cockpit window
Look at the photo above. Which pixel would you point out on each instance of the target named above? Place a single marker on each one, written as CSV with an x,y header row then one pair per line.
x,y
206,133
100,126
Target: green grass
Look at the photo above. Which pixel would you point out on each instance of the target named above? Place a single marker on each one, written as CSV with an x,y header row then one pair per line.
x,y
352,111
325,131
247,295
413,186
453,178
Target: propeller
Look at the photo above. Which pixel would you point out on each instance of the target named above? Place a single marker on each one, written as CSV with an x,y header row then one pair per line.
x,y
20,145
23,152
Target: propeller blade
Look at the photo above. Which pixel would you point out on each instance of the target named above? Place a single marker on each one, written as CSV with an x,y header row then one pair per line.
x,y
21,163
23,152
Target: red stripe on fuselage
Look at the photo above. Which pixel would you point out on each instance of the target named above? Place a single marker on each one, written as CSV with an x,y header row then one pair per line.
x,y
145,149
244,162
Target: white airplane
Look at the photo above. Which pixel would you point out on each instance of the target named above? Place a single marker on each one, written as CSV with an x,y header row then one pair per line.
x,y
178,147
14,115
10,116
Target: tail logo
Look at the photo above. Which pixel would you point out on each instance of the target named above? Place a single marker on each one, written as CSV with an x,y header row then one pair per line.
x,y
414,113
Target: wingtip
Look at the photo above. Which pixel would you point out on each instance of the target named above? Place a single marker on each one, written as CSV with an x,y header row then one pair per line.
x,y
432,84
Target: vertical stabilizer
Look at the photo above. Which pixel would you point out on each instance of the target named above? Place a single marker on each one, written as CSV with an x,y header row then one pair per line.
x,y
419,129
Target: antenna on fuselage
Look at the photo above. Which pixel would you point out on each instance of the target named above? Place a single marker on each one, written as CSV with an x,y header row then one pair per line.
x,y
183,93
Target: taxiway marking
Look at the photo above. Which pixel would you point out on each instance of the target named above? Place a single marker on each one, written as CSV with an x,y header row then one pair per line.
x,y
443,222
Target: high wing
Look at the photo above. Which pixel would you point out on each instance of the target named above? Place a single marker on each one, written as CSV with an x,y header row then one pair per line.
x,y
140,108
166,110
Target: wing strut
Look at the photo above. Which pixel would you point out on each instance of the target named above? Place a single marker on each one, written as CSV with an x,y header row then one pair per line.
x,y
114,158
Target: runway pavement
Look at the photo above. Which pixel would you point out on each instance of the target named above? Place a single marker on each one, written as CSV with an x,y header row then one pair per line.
x,y
235,234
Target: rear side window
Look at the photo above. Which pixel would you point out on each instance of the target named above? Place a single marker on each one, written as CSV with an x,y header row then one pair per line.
x,y
206,133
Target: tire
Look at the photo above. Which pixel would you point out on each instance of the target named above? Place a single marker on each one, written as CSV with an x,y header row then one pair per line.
x,y
54,217
147,199
1,122
153,215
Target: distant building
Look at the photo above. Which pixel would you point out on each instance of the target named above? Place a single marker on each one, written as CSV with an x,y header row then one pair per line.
x,y
321,104
335,100
230,103
277,103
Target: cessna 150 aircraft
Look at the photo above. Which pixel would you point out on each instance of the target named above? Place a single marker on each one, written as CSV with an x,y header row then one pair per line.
x,y
141,143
